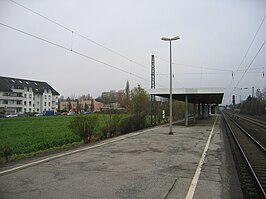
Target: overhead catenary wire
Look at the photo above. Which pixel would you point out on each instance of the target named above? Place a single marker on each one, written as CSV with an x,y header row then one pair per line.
x,y
193,66
80,35
117,53
244,58
76,52
188,73
209,73
251,63
236,86
174,79
257,68
262,79
247,51
208,68
251,43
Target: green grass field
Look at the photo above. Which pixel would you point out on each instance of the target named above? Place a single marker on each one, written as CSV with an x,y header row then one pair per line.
x,y
30,135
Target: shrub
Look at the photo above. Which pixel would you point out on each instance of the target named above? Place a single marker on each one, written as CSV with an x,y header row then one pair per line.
x,y
159,118
126,125
132,123
84,126
7,152
111,127
139,121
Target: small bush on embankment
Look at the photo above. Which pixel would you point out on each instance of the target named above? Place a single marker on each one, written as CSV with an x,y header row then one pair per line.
x,y
110,127
83,126
132,123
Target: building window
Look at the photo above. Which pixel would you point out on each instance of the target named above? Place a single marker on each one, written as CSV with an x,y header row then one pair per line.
x,y
29,109
38,103
45,97
5,102
25,110
49,97
25,95
29,103
25,103
49,103
37,109
45,103
30,96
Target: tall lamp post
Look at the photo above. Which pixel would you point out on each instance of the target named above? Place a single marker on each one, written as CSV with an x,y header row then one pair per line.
x,y
171,76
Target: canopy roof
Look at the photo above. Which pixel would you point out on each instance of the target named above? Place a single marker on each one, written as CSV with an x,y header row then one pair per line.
x,y
195,95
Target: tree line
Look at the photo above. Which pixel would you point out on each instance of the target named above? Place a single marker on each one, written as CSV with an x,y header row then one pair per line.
x,y
138,106
254,105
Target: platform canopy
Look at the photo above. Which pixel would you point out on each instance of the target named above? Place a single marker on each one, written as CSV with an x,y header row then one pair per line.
x,y
195,95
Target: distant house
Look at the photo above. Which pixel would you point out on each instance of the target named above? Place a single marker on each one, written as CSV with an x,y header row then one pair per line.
x,y
114,100
80,105
26,96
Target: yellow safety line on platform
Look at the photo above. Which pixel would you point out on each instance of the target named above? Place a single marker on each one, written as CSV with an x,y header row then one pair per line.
x,y
194,182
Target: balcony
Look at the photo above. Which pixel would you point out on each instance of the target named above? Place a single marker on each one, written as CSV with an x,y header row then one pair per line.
x,y
11,105
15,98
18,90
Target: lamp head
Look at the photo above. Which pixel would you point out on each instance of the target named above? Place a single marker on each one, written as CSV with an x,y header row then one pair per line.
x,y
175,38
170,39
165,39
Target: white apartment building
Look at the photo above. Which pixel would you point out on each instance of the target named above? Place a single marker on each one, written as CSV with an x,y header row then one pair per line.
x,y
26,96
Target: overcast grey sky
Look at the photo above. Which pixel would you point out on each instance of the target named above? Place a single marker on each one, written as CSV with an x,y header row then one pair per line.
x,y
215,35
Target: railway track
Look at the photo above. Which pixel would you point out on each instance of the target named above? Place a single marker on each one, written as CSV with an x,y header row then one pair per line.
x,y
251,120
250,157
256,128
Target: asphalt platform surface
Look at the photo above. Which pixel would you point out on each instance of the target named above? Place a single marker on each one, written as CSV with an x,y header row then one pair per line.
x,y
145,164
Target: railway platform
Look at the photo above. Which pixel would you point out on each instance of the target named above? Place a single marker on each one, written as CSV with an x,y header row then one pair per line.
x,y
194,162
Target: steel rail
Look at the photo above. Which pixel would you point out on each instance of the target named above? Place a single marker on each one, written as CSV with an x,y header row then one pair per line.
x,y
250,136
252,120
244,155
